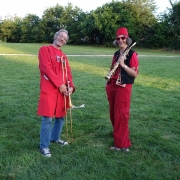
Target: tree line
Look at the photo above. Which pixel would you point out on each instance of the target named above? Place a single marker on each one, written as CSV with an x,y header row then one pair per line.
x,y
99,26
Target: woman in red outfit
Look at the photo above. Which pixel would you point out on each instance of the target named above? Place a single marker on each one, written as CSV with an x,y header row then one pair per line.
x,y
119,89
55,77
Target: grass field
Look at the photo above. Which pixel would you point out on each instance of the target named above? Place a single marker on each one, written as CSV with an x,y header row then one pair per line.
x,y
154,122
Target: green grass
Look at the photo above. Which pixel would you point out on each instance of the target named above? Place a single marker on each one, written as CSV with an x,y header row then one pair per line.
x,y
154,123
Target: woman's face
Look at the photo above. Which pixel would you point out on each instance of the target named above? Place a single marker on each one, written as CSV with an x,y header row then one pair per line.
x,y
121,40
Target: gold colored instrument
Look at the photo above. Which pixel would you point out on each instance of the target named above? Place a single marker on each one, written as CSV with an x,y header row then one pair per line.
x,y
67,101
125,53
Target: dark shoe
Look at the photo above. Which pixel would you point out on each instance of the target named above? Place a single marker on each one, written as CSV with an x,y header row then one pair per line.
x,y
115,148
125,149
45,152
61,142
119,149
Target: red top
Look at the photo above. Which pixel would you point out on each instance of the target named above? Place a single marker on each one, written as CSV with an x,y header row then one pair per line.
x,y
133,63
51,101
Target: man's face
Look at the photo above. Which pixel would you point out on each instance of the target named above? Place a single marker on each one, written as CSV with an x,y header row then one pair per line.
x,y
61,39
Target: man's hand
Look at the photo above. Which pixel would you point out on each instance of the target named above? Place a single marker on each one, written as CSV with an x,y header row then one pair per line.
x,y
70,90
63,90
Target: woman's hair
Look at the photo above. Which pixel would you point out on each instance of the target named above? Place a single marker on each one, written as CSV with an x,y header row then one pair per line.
x,y
128,41
58,32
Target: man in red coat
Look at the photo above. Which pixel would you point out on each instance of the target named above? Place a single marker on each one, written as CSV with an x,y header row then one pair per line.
x,y
56,85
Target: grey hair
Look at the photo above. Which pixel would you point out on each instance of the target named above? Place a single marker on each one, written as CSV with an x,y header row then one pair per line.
x,y
128,41
58,32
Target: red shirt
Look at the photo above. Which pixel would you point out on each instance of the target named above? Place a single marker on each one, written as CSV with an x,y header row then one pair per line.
x,y
133,63
51,101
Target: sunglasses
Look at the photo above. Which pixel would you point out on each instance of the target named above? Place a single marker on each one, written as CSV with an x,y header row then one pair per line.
x,y
122,38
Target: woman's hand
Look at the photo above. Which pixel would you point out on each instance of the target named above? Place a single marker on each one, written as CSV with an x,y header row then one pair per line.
x,y
131,71
121,61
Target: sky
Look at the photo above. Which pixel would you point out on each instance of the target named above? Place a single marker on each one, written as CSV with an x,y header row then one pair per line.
x,y
37,7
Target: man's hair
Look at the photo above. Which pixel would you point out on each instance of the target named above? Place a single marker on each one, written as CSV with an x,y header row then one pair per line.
x,y
58,32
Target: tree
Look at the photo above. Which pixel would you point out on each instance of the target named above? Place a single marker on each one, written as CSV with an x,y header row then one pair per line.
x,y
174,25
100,25
136,15
30,29
168,25
7,27
74,20
50,22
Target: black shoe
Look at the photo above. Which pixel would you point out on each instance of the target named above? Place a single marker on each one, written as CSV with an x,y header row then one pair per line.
x,y
45,152
61,142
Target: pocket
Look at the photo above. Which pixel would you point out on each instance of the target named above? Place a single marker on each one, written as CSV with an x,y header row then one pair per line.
x,y
46,86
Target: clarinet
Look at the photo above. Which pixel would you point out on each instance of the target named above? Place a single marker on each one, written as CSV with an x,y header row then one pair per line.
x,y
125,53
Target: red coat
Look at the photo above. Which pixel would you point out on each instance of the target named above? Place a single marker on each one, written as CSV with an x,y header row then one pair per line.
x,y
51,101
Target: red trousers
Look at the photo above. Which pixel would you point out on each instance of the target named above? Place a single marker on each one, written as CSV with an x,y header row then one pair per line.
x,y
119,105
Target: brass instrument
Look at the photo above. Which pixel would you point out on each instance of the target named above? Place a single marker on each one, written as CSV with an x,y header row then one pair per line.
x,y
70,102
67,101
125,53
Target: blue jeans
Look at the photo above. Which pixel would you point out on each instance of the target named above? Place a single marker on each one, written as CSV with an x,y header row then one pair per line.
x,y
48,133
